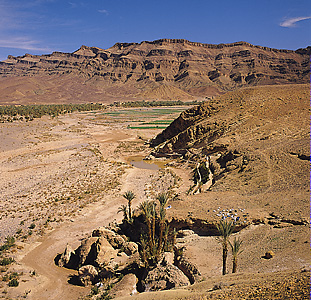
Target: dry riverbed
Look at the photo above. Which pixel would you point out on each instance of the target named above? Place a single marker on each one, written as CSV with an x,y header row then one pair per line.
x,y
60,179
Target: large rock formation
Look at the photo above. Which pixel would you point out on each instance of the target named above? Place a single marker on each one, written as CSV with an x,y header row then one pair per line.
x,y
162,69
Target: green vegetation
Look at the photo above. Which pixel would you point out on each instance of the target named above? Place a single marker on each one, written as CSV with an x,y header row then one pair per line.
x,y
32,226
129,196
154,103
10,113
156,122
156,240
6,261
10,242
154,112
13,282
148,227
146,127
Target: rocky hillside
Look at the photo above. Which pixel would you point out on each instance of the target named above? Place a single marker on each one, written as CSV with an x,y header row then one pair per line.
x,y
162,69
256,141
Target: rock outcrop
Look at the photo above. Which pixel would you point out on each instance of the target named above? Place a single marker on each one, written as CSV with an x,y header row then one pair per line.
x,y
102,257
87,275
244,134
165,276
105,249
68,258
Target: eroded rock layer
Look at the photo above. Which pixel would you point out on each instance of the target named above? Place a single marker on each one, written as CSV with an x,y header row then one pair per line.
x,y
162,69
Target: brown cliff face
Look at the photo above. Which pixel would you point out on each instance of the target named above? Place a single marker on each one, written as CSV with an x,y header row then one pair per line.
x,y
162,69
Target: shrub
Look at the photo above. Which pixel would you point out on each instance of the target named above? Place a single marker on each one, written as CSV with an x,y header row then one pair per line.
x,y
32,226
10,242
6,261
14,282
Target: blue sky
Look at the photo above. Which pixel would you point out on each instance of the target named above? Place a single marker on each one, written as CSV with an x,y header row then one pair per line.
x,y
43,26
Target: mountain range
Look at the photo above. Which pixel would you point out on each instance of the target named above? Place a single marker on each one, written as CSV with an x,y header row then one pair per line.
x,y
163,69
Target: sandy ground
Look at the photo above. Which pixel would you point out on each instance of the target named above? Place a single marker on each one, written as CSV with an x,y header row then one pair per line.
x,y
61,178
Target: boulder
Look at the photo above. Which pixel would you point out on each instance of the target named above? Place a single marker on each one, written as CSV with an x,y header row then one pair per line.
x,y
131,248
168,258
184,233
104,253
269,254
125,287
87,250
106,272
188,268
87,275
68,258
165,276
115,240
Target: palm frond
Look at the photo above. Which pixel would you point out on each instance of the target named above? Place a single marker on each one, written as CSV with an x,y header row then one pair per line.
x,y
163,199
236,246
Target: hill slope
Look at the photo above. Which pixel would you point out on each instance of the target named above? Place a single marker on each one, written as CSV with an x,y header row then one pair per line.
x,y
257,140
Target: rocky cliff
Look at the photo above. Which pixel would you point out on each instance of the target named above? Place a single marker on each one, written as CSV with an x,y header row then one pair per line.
x,y
162,69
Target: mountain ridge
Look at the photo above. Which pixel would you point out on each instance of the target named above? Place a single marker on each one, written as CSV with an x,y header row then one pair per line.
x,y
132,70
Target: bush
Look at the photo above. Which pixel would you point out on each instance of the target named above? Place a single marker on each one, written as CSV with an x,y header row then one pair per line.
x,y
32,226
6,261
14,282
10,242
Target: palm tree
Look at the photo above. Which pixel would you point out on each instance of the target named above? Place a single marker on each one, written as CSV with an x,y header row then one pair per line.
x,y
153,218
236,249
129,196
161,223
165,238
123,209
225,229
146,208
163,199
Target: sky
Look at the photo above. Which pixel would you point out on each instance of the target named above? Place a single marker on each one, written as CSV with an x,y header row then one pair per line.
x,y
44,26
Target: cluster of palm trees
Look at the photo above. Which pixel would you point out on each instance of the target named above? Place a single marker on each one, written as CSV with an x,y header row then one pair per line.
x,y
225,229
155,240
154,103
29,112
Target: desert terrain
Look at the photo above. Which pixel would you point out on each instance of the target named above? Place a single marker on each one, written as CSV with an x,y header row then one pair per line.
x,y
64,177
242,154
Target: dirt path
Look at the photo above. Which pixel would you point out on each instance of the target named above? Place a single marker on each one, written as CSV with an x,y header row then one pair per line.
x,y
54,283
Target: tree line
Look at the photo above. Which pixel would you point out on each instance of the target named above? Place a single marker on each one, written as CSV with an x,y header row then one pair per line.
x,y
155,103
12,113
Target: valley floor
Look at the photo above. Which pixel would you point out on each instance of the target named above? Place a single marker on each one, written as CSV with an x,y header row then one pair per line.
x,y
61,178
